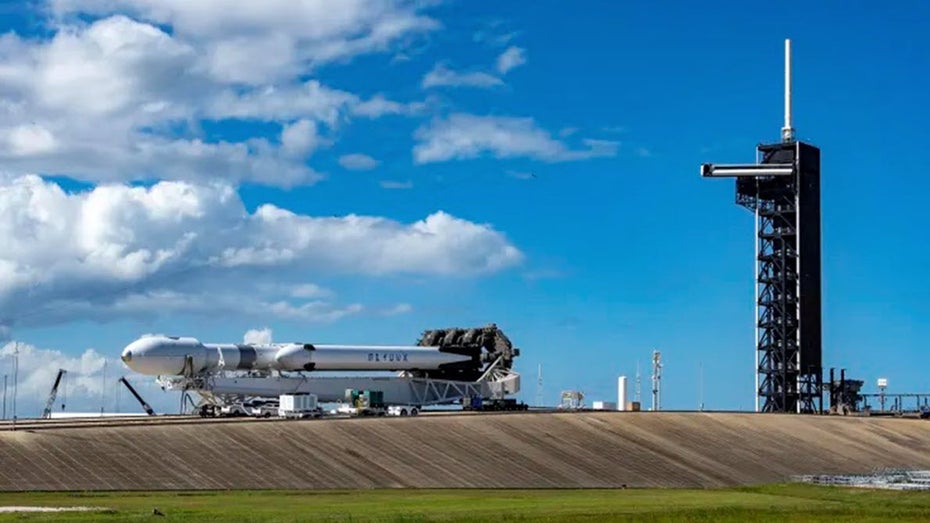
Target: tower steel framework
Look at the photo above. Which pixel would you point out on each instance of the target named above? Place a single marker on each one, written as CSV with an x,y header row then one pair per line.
x,y
783,190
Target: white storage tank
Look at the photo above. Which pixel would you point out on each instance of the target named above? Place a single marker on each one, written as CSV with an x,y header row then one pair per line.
x,y
621,393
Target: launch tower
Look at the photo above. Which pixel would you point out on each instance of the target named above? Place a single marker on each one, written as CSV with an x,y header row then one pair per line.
x,y
782,189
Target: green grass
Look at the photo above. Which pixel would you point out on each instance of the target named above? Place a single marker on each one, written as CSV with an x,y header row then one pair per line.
x,y
770,503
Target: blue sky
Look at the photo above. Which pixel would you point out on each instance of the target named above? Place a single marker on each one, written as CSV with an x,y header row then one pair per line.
x,y
583,158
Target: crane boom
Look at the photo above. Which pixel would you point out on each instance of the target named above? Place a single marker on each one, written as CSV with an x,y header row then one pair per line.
x,y
47,412
145,406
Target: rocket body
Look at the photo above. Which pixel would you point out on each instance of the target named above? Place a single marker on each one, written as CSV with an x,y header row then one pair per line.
x,y
168,355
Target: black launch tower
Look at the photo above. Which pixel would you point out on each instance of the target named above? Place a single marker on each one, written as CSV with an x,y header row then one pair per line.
x,y
782,189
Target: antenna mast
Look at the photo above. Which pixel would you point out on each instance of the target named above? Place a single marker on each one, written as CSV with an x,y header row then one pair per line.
x,y
638,382
787,132
656,380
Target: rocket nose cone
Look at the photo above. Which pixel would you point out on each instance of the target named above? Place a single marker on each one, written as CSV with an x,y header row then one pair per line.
x,y
134,351
142,354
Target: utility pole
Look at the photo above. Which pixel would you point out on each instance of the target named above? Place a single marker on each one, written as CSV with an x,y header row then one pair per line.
x,y
15,378
656,380
4,396
103,389
638,389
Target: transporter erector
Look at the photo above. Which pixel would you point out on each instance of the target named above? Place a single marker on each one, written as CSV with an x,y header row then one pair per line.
x,y
445,366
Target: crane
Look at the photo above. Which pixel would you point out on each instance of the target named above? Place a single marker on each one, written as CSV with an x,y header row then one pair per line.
x,y
145,406
47,412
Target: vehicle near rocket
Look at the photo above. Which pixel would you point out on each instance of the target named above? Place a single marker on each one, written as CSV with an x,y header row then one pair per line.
x,y
174,356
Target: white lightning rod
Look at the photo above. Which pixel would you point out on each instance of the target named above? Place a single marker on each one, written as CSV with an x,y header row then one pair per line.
x,y
787,132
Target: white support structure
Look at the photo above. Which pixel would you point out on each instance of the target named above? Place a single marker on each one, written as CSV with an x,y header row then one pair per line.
x,y
224,387
621,393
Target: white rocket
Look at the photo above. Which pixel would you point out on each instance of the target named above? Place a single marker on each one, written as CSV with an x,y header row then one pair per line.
x,y
168,355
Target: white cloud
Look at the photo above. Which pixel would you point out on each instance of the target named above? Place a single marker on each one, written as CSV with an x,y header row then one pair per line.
x,y
97,102
304,31
308,100
257,336
252,60
441,76
181,247
378,106
300,138
463,136
310,290
358,162
511,58
109,97
393,184
28,140
112,65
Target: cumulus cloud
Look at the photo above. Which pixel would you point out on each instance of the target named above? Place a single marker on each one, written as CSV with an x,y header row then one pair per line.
x,y
117,250
300,138
109,97
378,105
464,136
358,162
310,290
441,76
257,336
90,382
511,58
297,31
310,99
97,103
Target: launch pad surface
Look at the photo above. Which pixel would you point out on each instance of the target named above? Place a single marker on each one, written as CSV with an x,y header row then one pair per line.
x,y
520,450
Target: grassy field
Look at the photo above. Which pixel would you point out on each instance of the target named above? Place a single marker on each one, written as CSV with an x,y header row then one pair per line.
x,y
769,503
